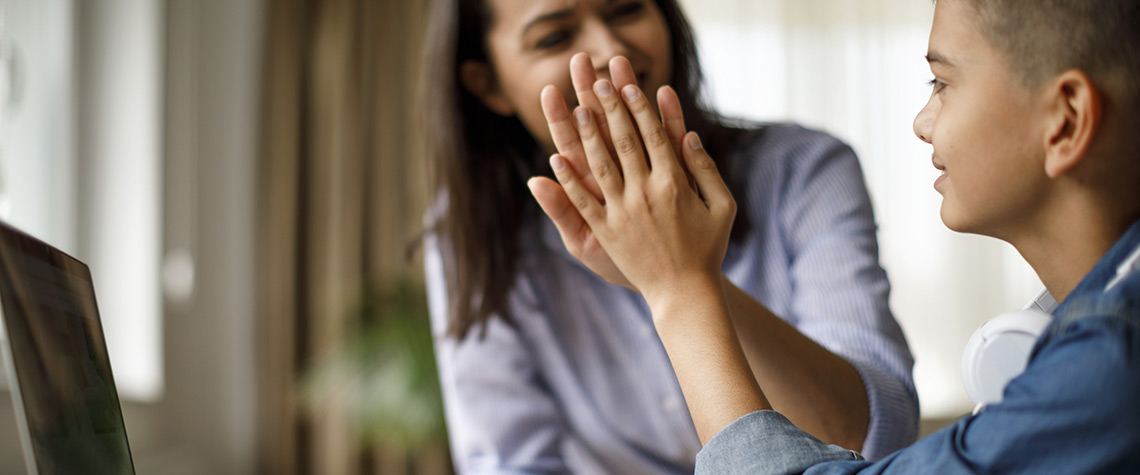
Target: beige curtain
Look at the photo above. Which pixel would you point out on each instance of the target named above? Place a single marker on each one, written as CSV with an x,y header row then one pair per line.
x,y
342,194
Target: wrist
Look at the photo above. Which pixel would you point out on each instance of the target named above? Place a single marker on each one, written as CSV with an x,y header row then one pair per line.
x,y
687,298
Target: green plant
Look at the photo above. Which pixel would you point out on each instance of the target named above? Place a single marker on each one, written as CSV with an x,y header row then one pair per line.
x,y
382,376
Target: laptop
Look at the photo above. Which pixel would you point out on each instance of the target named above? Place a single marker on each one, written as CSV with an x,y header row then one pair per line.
x,y
55,356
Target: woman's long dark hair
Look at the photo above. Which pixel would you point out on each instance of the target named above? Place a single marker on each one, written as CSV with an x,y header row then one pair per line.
x,y
480,160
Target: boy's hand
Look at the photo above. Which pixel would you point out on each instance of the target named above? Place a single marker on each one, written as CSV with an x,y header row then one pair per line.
x,y
658,231
576,234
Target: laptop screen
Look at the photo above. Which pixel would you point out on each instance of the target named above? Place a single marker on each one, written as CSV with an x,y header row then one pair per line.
x,y
70,406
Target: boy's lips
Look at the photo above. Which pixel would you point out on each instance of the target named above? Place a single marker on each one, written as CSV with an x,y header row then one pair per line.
x,y
940,167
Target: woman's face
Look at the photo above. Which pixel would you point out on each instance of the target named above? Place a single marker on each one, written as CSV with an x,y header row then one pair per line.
x,y
530,43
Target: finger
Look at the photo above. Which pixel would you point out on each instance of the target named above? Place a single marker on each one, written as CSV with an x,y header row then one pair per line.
x,y
586,204
565,136
562,129
621,72
674,120
556,204
602,166
712,188
662,157
626,140
672,116
583,75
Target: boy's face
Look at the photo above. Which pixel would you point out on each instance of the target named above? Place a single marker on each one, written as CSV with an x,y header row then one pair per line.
x,y
980,120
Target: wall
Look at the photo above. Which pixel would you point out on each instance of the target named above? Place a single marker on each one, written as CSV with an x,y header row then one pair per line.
x,y
208,414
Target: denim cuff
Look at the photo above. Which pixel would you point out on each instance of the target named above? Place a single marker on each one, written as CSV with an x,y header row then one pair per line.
x,y
766,442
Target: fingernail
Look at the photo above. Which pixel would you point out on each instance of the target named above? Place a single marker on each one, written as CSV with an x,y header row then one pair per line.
x,y
695,142
603,88
556,163
582,115
629,92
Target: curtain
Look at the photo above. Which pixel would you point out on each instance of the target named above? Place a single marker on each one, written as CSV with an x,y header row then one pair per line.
x,y
342,193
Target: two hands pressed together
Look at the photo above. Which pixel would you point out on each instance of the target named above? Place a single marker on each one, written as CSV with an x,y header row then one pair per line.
x,y
639,213
644,221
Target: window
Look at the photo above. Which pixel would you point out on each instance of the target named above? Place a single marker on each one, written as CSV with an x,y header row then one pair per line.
x,y
80,154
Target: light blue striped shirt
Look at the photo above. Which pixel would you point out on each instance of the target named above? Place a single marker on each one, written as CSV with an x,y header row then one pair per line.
x,y
581,383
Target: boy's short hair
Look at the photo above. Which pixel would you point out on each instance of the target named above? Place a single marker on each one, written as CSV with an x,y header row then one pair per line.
x,y
1042,38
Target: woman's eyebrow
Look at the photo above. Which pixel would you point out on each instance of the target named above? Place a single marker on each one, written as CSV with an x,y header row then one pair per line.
x,y
545,17
556,15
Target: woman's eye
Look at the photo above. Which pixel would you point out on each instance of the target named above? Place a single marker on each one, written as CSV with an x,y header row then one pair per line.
x,y
552,40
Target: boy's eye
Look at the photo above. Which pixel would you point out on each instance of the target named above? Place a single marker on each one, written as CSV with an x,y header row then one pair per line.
x,y
936,84
552,40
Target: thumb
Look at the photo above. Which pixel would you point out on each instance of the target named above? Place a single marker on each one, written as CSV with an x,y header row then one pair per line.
x,y
556,204
704,171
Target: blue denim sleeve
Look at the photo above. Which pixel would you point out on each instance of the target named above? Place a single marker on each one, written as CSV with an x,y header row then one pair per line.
x,y
1074,410
765,442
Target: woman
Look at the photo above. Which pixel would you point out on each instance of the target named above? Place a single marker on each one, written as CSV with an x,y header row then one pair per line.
x,y
547,368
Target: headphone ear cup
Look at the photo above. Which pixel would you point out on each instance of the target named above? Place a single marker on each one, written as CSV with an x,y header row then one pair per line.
x,y
998,351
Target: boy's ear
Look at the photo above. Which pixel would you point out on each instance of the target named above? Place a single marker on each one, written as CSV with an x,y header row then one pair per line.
x,y
1074,108
480,81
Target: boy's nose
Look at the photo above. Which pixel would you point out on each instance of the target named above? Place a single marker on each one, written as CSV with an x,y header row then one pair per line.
x,y
924,121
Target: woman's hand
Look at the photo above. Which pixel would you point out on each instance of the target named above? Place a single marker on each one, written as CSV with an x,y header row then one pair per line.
x,y
659,233
576,234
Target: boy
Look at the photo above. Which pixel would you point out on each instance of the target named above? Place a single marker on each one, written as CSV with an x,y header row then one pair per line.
x,y
1032,121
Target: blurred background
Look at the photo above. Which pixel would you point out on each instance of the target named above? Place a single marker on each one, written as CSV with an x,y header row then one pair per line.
x,y
244,178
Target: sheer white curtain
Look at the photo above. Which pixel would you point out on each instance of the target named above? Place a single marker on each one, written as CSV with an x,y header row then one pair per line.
x,y
855,68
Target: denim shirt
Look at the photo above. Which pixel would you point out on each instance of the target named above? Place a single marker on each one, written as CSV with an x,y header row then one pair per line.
x,y
1075,409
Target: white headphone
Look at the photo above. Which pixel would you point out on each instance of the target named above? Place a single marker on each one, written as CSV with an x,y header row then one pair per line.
x,y
998,351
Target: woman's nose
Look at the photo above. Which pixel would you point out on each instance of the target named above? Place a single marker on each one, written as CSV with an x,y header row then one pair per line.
x,y
602,43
